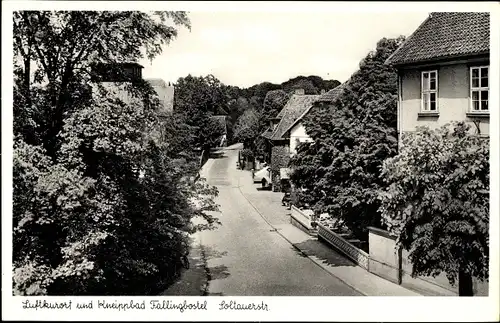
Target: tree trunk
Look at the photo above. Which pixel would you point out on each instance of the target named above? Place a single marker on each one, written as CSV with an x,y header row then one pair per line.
x,y
465,287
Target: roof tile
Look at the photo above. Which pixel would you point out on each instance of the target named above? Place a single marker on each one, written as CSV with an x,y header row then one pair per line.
x,y
293,109
331,95
445,34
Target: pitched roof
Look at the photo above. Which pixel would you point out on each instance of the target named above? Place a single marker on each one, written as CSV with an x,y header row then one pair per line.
x,y
444,35
219,118
293,109
221,111
280,114
329,96
267,133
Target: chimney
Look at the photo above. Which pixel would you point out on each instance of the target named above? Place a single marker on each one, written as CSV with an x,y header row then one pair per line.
x,y
300,91
322,91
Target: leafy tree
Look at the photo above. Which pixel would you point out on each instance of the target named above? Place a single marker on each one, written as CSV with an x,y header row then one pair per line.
x,y
86,221
259,91
338,173
437,202
311,84
237,105
196,100
247,127
273,103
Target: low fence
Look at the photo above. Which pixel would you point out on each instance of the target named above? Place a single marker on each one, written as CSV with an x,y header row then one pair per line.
x,y
303,220
338,242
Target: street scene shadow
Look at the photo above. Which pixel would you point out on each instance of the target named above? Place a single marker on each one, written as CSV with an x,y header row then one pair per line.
x,y
215,294
190,281
319,250
211,253
217,156
298,252
219,272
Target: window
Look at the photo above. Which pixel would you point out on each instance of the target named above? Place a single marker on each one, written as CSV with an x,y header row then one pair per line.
x,y
429,91
479,89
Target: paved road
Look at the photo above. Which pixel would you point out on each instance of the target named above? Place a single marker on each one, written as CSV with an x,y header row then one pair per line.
x,y
244,256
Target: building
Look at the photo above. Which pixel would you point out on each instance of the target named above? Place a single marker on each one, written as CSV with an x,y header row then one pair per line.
x,y
443,76
165,93
115,76
297,131
443,71
278,135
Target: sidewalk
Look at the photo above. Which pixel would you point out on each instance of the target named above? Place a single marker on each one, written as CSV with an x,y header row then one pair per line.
x,y
268,205
193,281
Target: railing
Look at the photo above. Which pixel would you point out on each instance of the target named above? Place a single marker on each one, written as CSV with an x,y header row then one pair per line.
x,y
355,254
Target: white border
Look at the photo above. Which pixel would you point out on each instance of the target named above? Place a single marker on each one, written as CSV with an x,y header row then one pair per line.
x,y
280,308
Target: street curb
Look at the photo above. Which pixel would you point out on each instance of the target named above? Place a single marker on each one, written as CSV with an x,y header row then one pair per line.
x,y
297,248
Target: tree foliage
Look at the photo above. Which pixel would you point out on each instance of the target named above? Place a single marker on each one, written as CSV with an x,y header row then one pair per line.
x,y
273,103
437,201
196,100
103,190
338,173
247,127
56,49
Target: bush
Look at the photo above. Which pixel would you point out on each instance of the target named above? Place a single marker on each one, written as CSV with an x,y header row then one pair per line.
x,y
352,136
437,202
247,154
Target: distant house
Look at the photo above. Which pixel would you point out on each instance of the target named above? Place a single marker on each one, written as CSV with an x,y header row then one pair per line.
x,y
297,132
114,76
165,93
278,134
443,70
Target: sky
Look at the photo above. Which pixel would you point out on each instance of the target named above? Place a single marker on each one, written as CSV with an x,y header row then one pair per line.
x,y
247,48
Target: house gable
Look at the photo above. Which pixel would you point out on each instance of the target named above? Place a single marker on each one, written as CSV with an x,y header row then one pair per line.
x,y
436,67
293,110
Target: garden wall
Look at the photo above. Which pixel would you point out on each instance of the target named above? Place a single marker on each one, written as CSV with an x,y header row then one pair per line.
x,y
392,264
302,220
338,242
